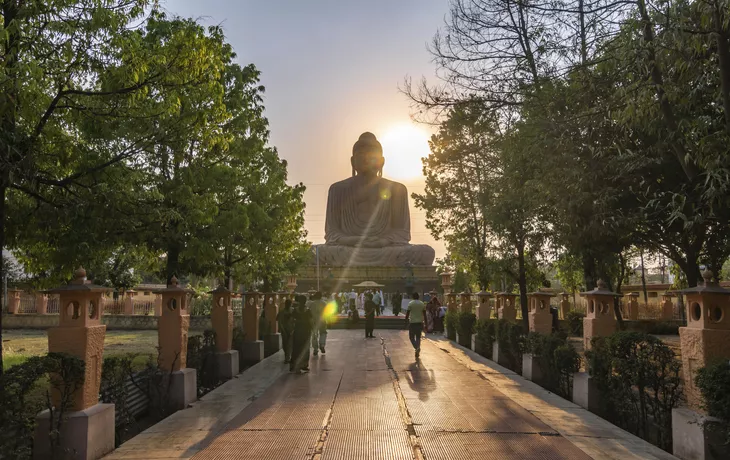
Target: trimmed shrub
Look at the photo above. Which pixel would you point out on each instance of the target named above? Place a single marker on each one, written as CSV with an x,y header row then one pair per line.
x,y
201,357
575,323
465,328
451,322
557,359
486,333
638,377
714,384
115,371
511,340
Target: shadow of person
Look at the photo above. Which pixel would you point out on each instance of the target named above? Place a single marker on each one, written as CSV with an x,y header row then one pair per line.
x,y
421,380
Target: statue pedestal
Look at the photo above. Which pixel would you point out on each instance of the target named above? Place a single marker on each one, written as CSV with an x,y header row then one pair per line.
x,y
272,344
183,388
252,352
88,432
227,364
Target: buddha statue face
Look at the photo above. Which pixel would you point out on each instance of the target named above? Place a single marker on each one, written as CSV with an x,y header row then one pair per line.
x,y
367,156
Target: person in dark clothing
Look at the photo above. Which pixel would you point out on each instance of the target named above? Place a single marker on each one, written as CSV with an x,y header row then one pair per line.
x,y
303,324
370,308
285,319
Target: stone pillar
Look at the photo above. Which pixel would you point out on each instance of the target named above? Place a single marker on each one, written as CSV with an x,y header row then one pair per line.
x,y
221,316
41,304
172,334
13,300
564,305
466,304
667,307
89,428
451,304
633,307
506,306
272,340
291,283
600,320
484,310
539,317
158,304
705,339
446,284
253,348
129,302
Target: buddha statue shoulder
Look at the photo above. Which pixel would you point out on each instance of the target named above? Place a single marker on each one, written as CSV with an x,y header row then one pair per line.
x,y
367,220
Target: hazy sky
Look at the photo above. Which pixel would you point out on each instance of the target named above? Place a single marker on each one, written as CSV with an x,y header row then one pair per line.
x,y
332,69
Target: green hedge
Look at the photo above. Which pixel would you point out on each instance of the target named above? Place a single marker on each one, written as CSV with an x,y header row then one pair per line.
x,y
465,328
486,333
511,340
451,322
638,379
714,384
557,359
575,323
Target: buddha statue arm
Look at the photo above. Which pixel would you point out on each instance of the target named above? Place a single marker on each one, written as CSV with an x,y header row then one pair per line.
x,y
332,227
400,218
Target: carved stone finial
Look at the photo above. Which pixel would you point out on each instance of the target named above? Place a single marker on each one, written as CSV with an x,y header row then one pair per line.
x,y
79,276
173,281
707,275
601,284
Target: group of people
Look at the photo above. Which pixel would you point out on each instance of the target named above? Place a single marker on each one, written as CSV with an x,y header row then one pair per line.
x,y
302,325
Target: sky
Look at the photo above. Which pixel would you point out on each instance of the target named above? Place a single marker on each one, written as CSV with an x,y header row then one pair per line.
x,y
332,70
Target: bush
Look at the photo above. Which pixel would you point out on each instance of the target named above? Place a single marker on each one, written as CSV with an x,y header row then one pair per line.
x,y
26,390
486,330
511,340
201,306
638,377
451,322
714,384
465,328
115,371
201,356
557,359
575,323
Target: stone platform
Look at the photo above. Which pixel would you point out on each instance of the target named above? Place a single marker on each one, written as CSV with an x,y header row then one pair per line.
x,y
340,279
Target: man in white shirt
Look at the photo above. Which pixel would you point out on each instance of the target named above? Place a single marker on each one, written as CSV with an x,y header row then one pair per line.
x,y
414,317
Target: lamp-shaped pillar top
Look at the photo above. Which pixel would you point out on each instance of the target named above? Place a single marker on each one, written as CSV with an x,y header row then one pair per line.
x,y
484,309
446,282
291,283
451,304
539,318
271,309
81,334
506,306
173,326
251,311
465,299
600,302
631,309
708,305
221,316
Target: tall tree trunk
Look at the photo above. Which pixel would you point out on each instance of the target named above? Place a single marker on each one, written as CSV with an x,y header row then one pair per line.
x,y
522,282
2,263
643,277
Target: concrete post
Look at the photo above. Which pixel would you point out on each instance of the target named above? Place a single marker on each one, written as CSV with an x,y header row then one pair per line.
x,y
89,429
451,304
129,302
633,306
253,348
466,304
272,340
172,333
446,284
667,307
158,304
600,320
221,316
539,317
564,305
41,304
705,339
14,300
506,306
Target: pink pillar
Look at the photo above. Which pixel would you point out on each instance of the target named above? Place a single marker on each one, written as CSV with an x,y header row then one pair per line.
x,y
13,301
600,320
221,316
158,305
41,304
539,317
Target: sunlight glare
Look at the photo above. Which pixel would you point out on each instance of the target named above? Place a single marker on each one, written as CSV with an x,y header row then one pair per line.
x,y
403,148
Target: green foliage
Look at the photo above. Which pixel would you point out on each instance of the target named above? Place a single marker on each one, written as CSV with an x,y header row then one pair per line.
x,y
575,323
465,328
557,359
714,383
201,356
115,372
511,340
451,323
638,379
201,306
486,333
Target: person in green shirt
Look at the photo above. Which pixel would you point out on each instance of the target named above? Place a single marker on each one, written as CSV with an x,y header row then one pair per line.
x,y
319,331
414,317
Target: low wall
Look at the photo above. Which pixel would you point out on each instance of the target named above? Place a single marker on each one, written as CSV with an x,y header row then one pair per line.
x,y
112,322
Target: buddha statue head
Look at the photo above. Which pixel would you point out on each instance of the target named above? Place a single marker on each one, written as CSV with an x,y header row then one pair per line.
x,y
367,156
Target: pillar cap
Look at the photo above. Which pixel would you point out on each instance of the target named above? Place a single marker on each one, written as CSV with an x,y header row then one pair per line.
x,y
79,284
541,293
172,287
601,289
707,287
484,294
506,294
633,294
220,290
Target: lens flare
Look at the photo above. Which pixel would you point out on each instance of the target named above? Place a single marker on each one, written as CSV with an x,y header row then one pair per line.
x,y
330,310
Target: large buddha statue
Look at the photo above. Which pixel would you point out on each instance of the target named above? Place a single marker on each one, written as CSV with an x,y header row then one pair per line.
x,y
367,222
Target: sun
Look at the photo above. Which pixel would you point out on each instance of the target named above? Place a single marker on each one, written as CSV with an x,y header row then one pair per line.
x,y
403,148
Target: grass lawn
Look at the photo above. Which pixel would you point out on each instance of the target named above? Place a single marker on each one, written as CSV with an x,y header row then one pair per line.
x,y
19,344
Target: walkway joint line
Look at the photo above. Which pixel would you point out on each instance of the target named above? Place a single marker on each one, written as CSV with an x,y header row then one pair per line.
x,y
413,437
326,422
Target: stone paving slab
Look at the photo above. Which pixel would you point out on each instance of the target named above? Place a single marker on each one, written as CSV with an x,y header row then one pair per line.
x,y
593,435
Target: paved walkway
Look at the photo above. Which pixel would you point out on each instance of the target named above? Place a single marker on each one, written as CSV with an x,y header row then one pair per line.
x,y
370,399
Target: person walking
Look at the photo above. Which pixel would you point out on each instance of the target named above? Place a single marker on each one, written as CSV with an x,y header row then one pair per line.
x,y
303,324
319,329
414,317
377,300
370,308
285,319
